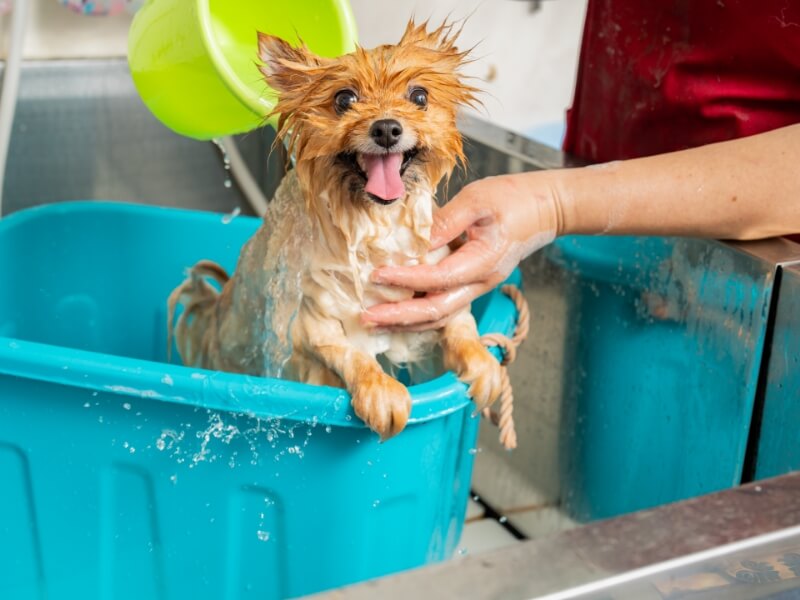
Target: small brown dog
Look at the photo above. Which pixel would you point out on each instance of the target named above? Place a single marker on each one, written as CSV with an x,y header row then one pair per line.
x,y
372,133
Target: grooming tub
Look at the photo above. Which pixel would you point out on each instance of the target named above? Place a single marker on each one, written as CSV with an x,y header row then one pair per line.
x,y
124,476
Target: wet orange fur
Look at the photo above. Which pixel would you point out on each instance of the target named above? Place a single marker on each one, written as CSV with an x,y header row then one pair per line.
x,y
348,232
382,77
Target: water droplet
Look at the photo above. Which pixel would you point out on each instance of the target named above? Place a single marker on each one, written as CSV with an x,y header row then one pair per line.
x,y
234,213
758,488
503,519
160,444
166,380
100,419
462,551
476,498
173,478
227,183
263,535
328,429
86,405
131,449
125,444
376,504
126,406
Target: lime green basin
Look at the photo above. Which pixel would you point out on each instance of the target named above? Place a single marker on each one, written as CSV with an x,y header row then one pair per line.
x,y
194,62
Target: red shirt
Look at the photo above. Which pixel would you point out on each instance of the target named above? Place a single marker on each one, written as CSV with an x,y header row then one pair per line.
x,y
661,76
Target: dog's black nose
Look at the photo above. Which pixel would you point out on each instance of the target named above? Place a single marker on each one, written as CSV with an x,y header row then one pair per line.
x,y
386,132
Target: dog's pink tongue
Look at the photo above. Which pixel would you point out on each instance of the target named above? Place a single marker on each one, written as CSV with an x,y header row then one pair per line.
x,y
383,175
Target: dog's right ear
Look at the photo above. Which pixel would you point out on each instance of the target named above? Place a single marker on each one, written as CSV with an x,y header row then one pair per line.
x,y
285,67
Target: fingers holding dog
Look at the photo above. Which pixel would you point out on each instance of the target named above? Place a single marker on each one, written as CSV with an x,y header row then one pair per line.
x,y
427,312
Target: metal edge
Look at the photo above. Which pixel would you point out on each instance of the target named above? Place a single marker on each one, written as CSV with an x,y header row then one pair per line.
x,y
598,553
531,152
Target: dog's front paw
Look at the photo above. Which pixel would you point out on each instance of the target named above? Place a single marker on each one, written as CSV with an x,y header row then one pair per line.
x,y
382,403
476,367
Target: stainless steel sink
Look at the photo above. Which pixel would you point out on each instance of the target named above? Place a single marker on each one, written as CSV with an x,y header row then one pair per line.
x,y
81,133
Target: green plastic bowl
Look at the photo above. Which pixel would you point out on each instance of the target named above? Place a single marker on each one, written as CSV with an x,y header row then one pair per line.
x,y
194,62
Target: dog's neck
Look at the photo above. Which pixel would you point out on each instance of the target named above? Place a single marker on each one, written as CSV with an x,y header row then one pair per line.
x,y
363,234
380,231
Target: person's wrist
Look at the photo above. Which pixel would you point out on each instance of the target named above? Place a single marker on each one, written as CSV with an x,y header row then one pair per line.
x,y
555,215
582,199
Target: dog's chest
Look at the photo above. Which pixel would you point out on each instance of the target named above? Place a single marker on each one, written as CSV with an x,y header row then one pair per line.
x,y
342,288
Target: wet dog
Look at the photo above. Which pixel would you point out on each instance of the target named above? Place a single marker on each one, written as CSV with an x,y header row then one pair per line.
x,y
372,134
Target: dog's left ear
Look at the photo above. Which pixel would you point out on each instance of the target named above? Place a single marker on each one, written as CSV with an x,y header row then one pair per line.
x,y
284,66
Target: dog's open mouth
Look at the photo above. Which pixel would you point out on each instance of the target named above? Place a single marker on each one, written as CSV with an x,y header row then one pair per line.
x,y
382,173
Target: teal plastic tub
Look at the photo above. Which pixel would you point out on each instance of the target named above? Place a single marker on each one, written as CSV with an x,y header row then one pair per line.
x,y
665,337
129,478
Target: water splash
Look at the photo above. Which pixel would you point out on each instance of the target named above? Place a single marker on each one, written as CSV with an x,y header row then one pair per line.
x,y
226,162
286,437
216,429
226,219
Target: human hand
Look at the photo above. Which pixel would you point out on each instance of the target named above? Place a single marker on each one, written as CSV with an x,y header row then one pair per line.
x,y
504,220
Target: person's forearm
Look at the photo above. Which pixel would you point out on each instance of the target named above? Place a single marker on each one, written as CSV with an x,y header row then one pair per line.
x,y
742,189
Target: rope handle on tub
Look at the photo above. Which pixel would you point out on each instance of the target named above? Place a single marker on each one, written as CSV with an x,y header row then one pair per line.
x,y
504,417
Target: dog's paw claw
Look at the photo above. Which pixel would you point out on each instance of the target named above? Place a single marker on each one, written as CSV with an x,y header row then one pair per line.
x,y
383,403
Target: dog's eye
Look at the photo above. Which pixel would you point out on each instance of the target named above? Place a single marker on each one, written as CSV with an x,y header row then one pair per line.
x,y
419,96
343,100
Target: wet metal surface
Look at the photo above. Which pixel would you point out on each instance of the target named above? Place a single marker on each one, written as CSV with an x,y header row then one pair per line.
x,y
639,380
598,551
82,133
778,442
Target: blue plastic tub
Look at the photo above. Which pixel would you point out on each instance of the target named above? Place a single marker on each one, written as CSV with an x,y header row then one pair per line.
x,y
125,477
658,406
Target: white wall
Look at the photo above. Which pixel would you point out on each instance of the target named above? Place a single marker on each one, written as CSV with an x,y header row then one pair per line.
x,y
57,32
525,57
